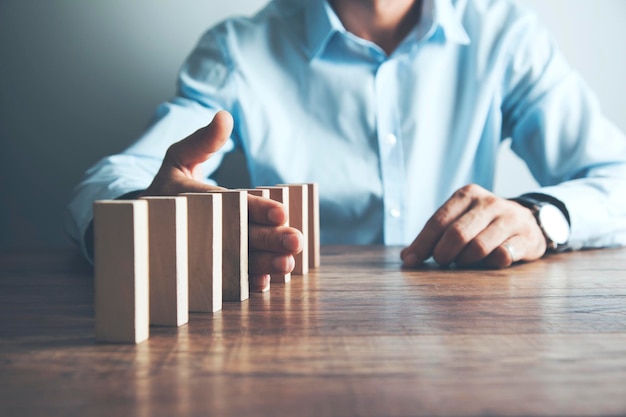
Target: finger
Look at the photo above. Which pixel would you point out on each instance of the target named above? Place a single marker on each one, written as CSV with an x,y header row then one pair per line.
x,y
460,233
506,254
528,245
281,239
259,283
494,235
270,263
265,211
173,182
200,145
511,238
423,245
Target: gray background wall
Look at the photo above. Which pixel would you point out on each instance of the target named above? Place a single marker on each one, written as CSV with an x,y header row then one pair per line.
x,y
80,79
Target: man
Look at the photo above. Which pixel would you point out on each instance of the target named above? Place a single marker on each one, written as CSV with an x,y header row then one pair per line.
x,y
396,108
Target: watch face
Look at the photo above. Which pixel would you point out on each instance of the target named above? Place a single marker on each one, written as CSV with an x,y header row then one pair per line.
x,y
554,224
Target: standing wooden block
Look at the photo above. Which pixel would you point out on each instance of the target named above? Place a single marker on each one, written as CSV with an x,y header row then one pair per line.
x,y
169,294
314,225
204,218
121,271
299,218
280,194
260,192
235,286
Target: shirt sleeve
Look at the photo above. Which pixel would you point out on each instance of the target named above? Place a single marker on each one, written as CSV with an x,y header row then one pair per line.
x,y
557,127
203,89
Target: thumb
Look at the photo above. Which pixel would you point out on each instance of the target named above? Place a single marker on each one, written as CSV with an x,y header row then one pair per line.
x,y
200,145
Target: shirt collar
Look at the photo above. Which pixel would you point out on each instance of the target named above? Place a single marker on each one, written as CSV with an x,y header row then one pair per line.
x,y
322,23
444,15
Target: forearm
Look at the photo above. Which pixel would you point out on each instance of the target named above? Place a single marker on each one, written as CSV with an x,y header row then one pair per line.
x,y
135,168
597,207
575,153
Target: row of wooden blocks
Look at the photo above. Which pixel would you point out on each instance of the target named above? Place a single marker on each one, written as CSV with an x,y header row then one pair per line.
x,y
158,258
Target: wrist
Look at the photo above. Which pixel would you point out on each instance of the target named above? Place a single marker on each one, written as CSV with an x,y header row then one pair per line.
x,y
552,218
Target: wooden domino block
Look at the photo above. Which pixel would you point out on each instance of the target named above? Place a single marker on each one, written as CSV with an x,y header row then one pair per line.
x,y
299,219
280,194
169,294
314,225
204,219
121,267
259,192
235,286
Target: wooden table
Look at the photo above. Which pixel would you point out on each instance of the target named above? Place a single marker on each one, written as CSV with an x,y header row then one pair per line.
x,y
358,337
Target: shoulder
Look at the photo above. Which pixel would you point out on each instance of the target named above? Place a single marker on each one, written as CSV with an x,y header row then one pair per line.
x,y
282,18
497,20
240,44
504,11
505,32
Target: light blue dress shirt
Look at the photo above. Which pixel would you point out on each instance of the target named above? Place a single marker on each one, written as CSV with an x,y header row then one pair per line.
x,y
388,138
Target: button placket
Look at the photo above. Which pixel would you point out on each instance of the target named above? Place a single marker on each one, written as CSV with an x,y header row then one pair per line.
x,y
390,152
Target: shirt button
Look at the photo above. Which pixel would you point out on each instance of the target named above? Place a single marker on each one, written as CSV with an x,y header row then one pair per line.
x,y
391,139
395,213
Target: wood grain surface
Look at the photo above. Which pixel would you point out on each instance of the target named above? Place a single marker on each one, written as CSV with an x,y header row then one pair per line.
x,y
280,194
235,285
299,219
204,233
169,268
357,337
121,259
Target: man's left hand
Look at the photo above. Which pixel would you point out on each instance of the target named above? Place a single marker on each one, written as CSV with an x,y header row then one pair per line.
x,y
475,225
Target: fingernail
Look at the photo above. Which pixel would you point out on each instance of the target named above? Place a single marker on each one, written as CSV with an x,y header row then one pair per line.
x,y
291,242
276,215
291,263
410,259
265,288
260,285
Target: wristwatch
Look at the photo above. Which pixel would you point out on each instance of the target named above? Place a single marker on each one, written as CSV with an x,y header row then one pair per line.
x,y
552,217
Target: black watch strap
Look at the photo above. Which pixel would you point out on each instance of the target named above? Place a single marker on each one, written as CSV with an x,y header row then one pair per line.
x,y
530,200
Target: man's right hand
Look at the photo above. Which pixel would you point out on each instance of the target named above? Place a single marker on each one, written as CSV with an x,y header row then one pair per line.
x,y
271,244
